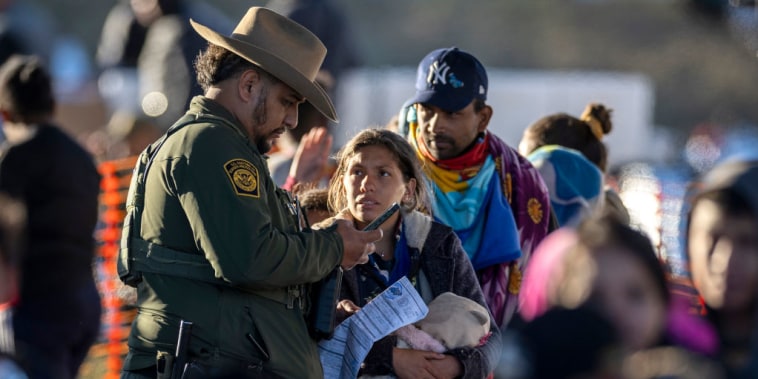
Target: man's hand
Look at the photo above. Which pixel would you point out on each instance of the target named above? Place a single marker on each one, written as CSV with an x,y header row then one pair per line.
x,y
311,156
415,364
357,244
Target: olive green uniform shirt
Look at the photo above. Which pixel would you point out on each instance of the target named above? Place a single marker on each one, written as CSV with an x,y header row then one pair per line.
x,y
209,192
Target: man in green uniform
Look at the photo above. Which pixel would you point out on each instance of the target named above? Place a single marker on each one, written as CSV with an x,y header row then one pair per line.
x,y
217,243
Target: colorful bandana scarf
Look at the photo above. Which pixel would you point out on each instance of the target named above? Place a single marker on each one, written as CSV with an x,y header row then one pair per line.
x,y
523,189
575,184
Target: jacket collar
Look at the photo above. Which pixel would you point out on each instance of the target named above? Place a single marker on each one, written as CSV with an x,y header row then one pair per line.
x,y
202,106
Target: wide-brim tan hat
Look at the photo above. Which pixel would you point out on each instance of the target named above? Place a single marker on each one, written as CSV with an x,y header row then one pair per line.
x,y
281,47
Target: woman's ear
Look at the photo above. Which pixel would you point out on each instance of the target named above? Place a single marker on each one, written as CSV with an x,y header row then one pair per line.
x,y
410,191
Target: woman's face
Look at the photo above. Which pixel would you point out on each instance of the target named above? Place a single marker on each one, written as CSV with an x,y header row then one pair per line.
x,y
628,293
723,253
373,181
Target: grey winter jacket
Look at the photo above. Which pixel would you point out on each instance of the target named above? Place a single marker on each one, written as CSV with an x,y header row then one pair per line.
x,y
446,268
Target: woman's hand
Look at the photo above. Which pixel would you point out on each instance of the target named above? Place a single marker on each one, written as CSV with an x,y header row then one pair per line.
x,y
446,368
417,364
347,307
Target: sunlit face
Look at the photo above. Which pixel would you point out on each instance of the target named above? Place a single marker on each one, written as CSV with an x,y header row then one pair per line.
x,y
373,181
628,293
274,111
448,134
723,252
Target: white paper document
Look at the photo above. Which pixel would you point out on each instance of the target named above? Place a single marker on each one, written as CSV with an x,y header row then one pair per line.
x,y
397,306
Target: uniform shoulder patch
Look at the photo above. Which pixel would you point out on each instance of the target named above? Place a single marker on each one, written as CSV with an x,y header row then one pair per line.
x,y
244,177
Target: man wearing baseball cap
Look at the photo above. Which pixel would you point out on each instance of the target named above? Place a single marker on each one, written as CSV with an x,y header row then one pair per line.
x,y
492,197
210,239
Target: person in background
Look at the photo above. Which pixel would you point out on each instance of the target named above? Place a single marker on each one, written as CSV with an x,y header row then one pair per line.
x,y
377,168
232,237
146,51
314,202
574,183
129,135
722,246
57,315
607,265
332,26
492,197
584,134
563,344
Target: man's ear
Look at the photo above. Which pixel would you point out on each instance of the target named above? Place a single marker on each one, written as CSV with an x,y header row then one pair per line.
x,y
484,118
247,84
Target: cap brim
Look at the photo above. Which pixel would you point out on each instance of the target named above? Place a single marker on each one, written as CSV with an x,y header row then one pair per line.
x,y
275,66
437,99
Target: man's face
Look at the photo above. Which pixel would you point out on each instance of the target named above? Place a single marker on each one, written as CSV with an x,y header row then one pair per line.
x,y
723,252
272,114
448,134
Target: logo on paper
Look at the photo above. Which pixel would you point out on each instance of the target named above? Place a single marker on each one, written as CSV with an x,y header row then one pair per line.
x,y
394,292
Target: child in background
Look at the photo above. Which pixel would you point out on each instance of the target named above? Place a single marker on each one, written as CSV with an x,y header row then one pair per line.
x,y
609,266
722,245
313,201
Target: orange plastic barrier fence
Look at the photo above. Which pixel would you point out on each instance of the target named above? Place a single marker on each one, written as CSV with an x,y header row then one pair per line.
x,y
117,316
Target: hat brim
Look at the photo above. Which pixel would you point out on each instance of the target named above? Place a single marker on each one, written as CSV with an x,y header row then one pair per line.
x,y
275,66
437,99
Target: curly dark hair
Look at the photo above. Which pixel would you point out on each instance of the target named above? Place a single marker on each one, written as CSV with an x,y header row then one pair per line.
x,y
216,64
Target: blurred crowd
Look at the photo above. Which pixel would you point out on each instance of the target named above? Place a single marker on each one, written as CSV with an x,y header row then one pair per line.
x,y
578,269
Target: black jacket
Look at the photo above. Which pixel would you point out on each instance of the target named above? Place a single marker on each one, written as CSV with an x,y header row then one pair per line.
x,y
59,183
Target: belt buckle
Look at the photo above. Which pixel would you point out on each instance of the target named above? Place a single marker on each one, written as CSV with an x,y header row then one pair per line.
x,y
295,293
292,294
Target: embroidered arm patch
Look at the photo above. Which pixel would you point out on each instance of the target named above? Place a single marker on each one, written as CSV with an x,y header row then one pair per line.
x,y
244,177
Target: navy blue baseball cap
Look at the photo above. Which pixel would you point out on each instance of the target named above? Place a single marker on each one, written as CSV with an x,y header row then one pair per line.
x,y
449,79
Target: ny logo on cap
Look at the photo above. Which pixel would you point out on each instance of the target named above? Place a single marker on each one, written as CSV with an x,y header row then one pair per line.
x,y
438,74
